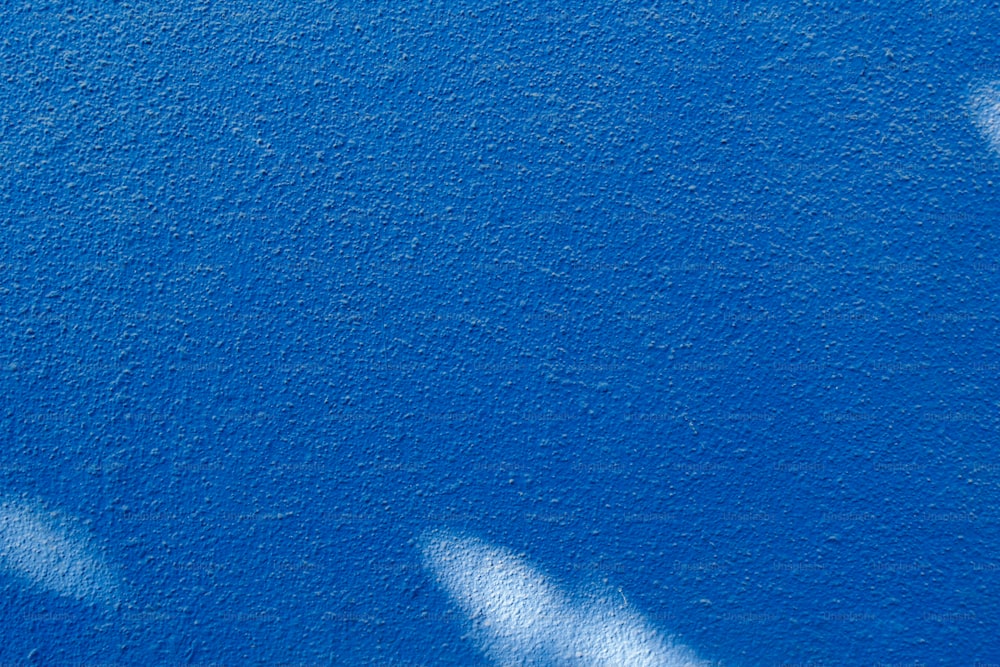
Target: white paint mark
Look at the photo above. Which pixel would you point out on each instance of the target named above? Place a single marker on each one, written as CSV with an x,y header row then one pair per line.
x,y
520,618
985,106
50,553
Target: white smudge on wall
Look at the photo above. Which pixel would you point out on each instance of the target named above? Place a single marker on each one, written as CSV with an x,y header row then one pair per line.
x,y
520,618
48,552
985,106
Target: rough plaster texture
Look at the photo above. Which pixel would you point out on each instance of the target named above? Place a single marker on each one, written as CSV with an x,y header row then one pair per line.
x,y
694,302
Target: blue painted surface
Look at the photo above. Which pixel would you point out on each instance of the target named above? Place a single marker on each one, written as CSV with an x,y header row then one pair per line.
x,y
694,301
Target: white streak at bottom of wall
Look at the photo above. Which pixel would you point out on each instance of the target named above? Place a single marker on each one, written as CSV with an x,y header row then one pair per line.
x,y
49,552
519,617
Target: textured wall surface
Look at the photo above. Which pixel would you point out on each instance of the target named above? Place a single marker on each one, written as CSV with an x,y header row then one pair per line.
x,y
636,333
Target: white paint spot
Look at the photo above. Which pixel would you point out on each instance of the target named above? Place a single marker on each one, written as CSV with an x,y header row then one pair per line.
x,y
49,552
985,106
520,618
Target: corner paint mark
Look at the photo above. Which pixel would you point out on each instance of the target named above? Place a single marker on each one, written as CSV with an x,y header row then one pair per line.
x,y
520,618
985,106
50,553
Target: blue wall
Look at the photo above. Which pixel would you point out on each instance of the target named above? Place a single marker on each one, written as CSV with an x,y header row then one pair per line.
x,y
692,301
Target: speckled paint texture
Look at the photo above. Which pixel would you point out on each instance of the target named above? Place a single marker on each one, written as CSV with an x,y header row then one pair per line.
x,y
497,333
